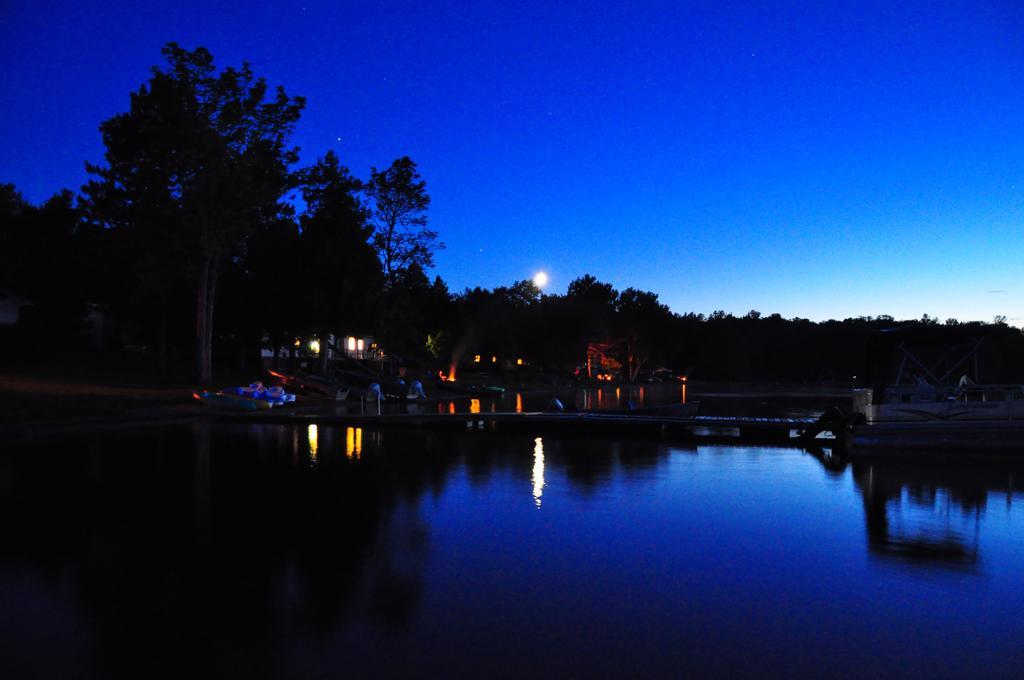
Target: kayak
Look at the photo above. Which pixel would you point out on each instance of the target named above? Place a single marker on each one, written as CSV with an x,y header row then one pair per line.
x,y
235,402
275,396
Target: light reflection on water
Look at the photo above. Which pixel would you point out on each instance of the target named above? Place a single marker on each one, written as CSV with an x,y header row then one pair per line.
x,y
353,442
126,553
538,470
313,439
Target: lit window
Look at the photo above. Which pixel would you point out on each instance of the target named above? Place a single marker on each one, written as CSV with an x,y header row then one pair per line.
x,y
351,344
494,360
476,358
359,344
519,362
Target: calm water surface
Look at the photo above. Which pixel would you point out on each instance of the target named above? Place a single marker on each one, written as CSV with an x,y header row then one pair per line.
x,y
214,550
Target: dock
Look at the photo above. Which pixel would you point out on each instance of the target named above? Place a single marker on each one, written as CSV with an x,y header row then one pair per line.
x,y
734,428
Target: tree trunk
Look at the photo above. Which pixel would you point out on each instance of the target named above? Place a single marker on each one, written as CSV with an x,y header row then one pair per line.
x,y
203,372
204,317
161,340
211,297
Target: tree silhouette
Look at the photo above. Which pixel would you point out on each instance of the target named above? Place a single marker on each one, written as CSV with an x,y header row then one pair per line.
x,y
400,203
196,165
342,275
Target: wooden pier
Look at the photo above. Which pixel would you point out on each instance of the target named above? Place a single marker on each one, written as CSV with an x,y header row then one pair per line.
x,y
733,428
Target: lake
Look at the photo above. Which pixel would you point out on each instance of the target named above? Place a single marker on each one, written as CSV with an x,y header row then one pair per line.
x,y
321,551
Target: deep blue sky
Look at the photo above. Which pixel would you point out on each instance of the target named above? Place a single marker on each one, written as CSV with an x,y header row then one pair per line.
x,y
819,159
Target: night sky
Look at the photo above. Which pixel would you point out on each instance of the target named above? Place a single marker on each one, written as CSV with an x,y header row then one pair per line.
x,y
819,159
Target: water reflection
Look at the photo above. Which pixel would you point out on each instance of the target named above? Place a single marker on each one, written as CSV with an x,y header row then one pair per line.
x,y
926,510
538,470
929,514
312,436
218,550
353,442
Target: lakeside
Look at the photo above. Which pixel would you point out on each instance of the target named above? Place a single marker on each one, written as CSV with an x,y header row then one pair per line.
x,y
64,395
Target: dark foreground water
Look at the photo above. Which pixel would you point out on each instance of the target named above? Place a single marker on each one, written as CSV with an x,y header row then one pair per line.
x,y
233,551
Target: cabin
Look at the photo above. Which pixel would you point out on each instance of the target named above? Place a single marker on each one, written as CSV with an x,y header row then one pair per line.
x,y
360,347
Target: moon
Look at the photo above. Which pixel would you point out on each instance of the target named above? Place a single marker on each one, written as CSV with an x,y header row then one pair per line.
x,y
540,279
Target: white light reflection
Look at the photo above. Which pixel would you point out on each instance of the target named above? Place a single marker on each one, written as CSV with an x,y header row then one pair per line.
x,y
538,470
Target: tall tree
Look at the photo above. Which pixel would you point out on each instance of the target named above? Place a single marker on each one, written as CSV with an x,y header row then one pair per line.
x,y
197,164
342,273
400,203
643,326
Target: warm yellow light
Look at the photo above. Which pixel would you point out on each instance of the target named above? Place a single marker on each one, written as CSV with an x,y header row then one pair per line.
x,y
311,435
298,343
353,442
519,402
474,406
352,344
540,279
494,359
314,346
476,358
360,344
519,362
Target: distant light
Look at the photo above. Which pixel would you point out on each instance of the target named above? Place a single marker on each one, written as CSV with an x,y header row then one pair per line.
x,y
540,279
314,346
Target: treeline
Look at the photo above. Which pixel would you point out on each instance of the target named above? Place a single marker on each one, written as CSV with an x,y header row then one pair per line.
x,y
190,242
638,335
